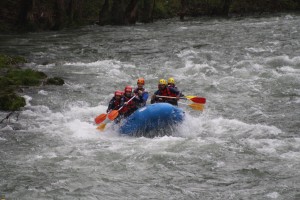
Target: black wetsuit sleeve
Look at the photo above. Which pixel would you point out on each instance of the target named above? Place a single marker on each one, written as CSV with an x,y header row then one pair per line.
x,y
110,105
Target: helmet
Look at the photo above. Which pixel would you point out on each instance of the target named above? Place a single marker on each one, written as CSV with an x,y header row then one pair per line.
x,y
171,81
141,81
128,89
118,93
162,82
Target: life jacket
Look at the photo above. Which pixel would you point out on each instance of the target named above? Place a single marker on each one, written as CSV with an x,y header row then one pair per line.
x,y
142,98
164,92
114,104
136,90
117,104
130,107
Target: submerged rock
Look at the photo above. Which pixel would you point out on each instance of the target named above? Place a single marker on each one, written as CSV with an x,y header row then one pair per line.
x,y
55,81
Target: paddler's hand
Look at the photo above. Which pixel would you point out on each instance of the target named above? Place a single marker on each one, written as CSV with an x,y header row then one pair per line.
x,y
140,92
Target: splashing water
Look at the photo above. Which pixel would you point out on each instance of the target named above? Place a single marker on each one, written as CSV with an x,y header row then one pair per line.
x,y
245,145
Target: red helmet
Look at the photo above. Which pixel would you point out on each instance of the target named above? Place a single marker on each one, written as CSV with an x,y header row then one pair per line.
x,y
128,89
141,81
118,93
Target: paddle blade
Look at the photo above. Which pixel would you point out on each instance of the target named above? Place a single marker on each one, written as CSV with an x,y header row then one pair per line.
x,y
101,127
113,115
197,106
198,100
189,97
100,118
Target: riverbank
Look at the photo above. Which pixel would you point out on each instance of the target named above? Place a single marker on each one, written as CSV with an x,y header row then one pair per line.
x,y
23,15
14,77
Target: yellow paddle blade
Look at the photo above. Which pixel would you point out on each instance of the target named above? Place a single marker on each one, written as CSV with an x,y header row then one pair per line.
x,y
197,106
113,114
189,97
101,127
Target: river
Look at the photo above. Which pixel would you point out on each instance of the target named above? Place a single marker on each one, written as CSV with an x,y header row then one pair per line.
x,y
244,145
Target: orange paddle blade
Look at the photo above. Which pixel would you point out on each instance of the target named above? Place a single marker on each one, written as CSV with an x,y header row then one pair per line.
x,y
100,118
196,106
101,127
113,115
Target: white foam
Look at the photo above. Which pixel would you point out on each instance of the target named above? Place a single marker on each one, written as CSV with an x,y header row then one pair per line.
x,y
111,63
7,128
283,60
81,129
27,100
273,195
43,92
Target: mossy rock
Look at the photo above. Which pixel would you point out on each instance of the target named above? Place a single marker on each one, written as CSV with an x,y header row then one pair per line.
x,y
11,102
55,81
6,85
26,77
8,61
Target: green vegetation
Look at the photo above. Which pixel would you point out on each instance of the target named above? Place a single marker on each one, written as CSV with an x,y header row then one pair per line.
x,y
13,77
36,15
7,61
27,77
11,102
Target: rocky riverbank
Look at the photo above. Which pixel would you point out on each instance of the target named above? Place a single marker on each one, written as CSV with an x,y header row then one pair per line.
x,y
14,77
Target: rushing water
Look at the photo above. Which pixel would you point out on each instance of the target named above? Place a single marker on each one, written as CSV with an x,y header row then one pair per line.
x,y
245,145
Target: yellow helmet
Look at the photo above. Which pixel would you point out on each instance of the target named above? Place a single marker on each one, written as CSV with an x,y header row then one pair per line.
x,y
171,81
162,82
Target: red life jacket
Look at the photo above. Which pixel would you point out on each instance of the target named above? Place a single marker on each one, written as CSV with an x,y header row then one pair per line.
x,y
117,104
129,106
165,92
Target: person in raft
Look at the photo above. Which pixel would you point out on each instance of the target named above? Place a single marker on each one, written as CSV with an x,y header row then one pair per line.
x,y
129,106
116,102
164,90
171,84
141,93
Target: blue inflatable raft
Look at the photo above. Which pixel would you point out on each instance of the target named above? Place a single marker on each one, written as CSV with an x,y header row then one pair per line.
x,y
152,120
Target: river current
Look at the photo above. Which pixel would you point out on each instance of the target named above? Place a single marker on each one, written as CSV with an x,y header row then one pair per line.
x,y
244,145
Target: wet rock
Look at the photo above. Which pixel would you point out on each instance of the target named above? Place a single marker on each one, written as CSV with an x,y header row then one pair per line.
x,y
55,81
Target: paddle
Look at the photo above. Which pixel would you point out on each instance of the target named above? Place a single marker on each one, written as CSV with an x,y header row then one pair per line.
x,y
192,98
100,118
102,126
194,106
112,115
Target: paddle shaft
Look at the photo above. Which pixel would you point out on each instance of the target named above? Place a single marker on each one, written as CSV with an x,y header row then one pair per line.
x,y
114,114
127,102
169,97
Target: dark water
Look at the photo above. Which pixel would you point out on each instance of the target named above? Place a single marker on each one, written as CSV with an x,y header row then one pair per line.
x,y
245,145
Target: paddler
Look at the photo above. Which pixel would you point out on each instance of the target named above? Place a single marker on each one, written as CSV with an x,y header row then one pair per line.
x,y
164,90
129,106
116,102
141,93
171,84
